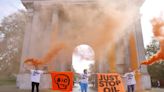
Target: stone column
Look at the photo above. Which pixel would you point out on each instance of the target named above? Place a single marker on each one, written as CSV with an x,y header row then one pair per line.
x,y
25,50
36,44
28,31
145,77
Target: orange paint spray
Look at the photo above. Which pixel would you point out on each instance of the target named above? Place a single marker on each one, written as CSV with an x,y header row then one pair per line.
x,y
158,32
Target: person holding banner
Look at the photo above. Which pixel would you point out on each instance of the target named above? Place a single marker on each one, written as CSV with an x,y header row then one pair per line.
x,y
35,77
130,80
84,81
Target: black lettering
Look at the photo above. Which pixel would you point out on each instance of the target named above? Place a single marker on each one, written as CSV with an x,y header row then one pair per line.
x,y
101,77
111,83
118,82
115,90
101,84
110,89
106,77
116,77
106,83
106,89
111,77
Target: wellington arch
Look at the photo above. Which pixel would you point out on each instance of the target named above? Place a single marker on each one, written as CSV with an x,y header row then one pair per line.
x,y
113,31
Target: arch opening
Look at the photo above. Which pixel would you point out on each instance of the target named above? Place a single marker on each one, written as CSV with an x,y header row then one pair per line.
x,y
83,58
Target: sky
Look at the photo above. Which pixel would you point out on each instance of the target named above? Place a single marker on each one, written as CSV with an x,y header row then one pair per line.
x,y
150,9
8,7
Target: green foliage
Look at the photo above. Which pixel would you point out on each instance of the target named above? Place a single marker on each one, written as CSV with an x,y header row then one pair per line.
x,y
152,48
155,70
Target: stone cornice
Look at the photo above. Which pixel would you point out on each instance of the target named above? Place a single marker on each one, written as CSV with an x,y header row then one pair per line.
x,y
58,1
30,3
33,4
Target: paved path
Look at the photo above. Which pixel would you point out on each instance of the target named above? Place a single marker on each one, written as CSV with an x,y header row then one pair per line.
x,y
77,88
12,88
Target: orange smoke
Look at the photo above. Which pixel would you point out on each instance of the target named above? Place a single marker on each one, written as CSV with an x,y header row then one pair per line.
x,y
157,24
47,58
33,61
103,24
52,53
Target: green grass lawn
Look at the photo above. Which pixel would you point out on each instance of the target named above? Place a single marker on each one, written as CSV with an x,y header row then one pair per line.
x,y
7,81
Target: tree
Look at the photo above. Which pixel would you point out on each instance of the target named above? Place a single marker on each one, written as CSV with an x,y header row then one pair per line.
x,y
12,27
152,48
156,70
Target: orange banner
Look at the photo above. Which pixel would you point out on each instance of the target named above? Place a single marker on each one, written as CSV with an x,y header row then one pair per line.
x,y
62,81
110,82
